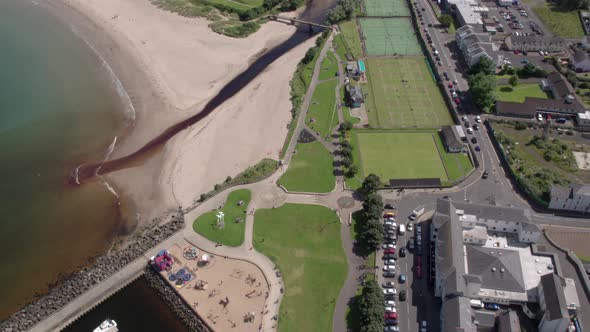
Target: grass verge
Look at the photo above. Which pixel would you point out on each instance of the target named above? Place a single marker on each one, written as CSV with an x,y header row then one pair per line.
x,y
310,170
304,242
322,116
565,24
232,234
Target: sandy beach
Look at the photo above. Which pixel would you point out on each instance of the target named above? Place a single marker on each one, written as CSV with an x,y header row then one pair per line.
x,y
171,66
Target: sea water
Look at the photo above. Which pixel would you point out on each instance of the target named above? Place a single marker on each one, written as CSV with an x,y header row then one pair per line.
x,y
58,108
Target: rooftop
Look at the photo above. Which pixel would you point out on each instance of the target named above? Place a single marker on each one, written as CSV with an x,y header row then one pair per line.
x,y
554,296
532,105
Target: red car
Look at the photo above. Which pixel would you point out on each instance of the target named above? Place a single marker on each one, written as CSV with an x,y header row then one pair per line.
x,y
516,51
418,260
389,251
450,85
457,101
391,315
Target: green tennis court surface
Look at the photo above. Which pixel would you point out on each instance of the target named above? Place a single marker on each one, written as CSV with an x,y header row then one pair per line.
x,y
389,36
403,94
386,8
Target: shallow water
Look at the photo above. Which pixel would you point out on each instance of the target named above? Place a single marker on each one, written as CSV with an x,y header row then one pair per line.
x,y
58,107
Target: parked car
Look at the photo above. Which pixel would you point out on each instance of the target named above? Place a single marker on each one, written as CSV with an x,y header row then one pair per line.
x,y
390,329
389,261
402,295
469,130
474,140
477,148
392,311
463,118
539,117
423,326
492,306
389,206
388,246
411,245
389,291
388,284
402,278
389,315
410,227
389,251
389,303
484,175
388,267
418,272
475,126
402,252
389,274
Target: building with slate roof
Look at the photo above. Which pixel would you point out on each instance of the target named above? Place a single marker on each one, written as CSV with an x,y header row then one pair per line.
x,y
553,304
575,197
484,252
580,61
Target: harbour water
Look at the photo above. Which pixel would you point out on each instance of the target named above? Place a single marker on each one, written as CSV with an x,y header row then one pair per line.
x,y
58,108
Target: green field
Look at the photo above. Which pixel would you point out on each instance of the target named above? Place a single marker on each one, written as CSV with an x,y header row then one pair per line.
x,y
350,40
404,94
389,36
240,5
304,242
565,24
393,155
232,234
321,115
520,92
386,8
310,170
456,164
329,67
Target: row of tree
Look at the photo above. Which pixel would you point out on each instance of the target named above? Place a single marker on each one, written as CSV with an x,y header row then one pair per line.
x,y
371,232
370,306
346,151
482,84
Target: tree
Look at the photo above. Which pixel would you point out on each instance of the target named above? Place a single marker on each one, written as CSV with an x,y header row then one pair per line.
x,y
371,310
345,126
370,184
346,151
309,55
513,80
352,171
343,11
373,206
484,65
482,88
372,234
446,20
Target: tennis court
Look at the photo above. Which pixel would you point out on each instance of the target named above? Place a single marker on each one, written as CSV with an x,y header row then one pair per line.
x,y
386,8
403,94
389,36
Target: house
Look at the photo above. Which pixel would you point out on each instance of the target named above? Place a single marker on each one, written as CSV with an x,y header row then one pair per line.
x,y
558,85
354,96
535,43
553,303
568,107
475,45
352,68
575,197
580,61
450,139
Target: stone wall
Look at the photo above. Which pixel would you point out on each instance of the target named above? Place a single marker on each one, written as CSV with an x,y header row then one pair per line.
x,y
183,310
76,284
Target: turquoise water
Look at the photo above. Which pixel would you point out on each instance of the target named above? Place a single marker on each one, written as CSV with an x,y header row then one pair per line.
x,y
57,108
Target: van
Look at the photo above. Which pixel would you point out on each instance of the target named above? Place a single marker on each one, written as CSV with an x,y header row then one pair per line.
x,y
402,229
417,213
476,304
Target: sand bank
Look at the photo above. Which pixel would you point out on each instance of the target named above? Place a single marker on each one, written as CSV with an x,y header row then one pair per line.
x,y
178,64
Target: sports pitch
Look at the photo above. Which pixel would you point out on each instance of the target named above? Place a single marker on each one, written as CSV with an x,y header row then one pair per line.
x,y
404,94
386,8
399,155
389,36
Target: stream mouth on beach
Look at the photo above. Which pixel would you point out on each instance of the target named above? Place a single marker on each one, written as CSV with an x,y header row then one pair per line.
x,y
315,12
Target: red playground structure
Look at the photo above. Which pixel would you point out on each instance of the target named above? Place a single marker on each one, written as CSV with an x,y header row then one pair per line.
x,y
162,261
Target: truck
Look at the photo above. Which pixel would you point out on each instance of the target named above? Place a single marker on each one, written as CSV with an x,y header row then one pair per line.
x,y
476,304
417,213
401,229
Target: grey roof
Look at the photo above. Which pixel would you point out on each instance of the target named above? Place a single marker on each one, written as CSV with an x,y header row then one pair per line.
x,y
560,193
580,55
580,189
563,193
481,261
554,296
531,105
509,322
536,39
457,315
560,85
485,318
449,138
483,211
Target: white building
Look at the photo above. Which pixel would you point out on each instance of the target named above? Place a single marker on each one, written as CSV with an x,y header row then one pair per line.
x,y
475,45
575,197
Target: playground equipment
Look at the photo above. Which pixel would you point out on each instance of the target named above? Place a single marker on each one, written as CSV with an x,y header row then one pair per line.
x,y
220,219
190,253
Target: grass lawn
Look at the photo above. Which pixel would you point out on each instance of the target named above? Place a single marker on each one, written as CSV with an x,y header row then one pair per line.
x,y
403,94
456,164
323,109
310,170
304,242
517,94
564,24
351,39
233,233
329,67
398,155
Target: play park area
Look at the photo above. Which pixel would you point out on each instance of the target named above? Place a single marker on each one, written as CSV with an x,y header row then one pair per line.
x,y
226,225
304,242
404,94
407,155
391,8
389,36
228,294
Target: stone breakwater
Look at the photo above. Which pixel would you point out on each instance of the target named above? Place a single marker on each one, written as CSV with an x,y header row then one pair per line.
x,y
74,285
183,310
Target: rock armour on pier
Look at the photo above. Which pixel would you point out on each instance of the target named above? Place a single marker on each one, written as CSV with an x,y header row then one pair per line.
x,y
78,283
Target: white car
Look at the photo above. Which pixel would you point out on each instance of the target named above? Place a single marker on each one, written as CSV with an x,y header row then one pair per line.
x,y
478,119
389,303
389,268
423,327
388,284
389,261
390,310
539,117
389,223
469,131
389,246
454,94
390,329
388,291
410,227
464,119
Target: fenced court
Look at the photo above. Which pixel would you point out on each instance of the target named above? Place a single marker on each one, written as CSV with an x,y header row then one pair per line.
x,y
399,155
403,94
390,8
389,36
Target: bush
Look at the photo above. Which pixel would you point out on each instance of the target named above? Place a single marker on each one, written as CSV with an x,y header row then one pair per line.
x,y
310,55
344,10
520,126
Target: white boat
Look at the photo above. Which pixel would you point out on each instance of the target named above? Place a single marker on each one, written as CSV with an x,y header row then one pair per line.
x,y
108,325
